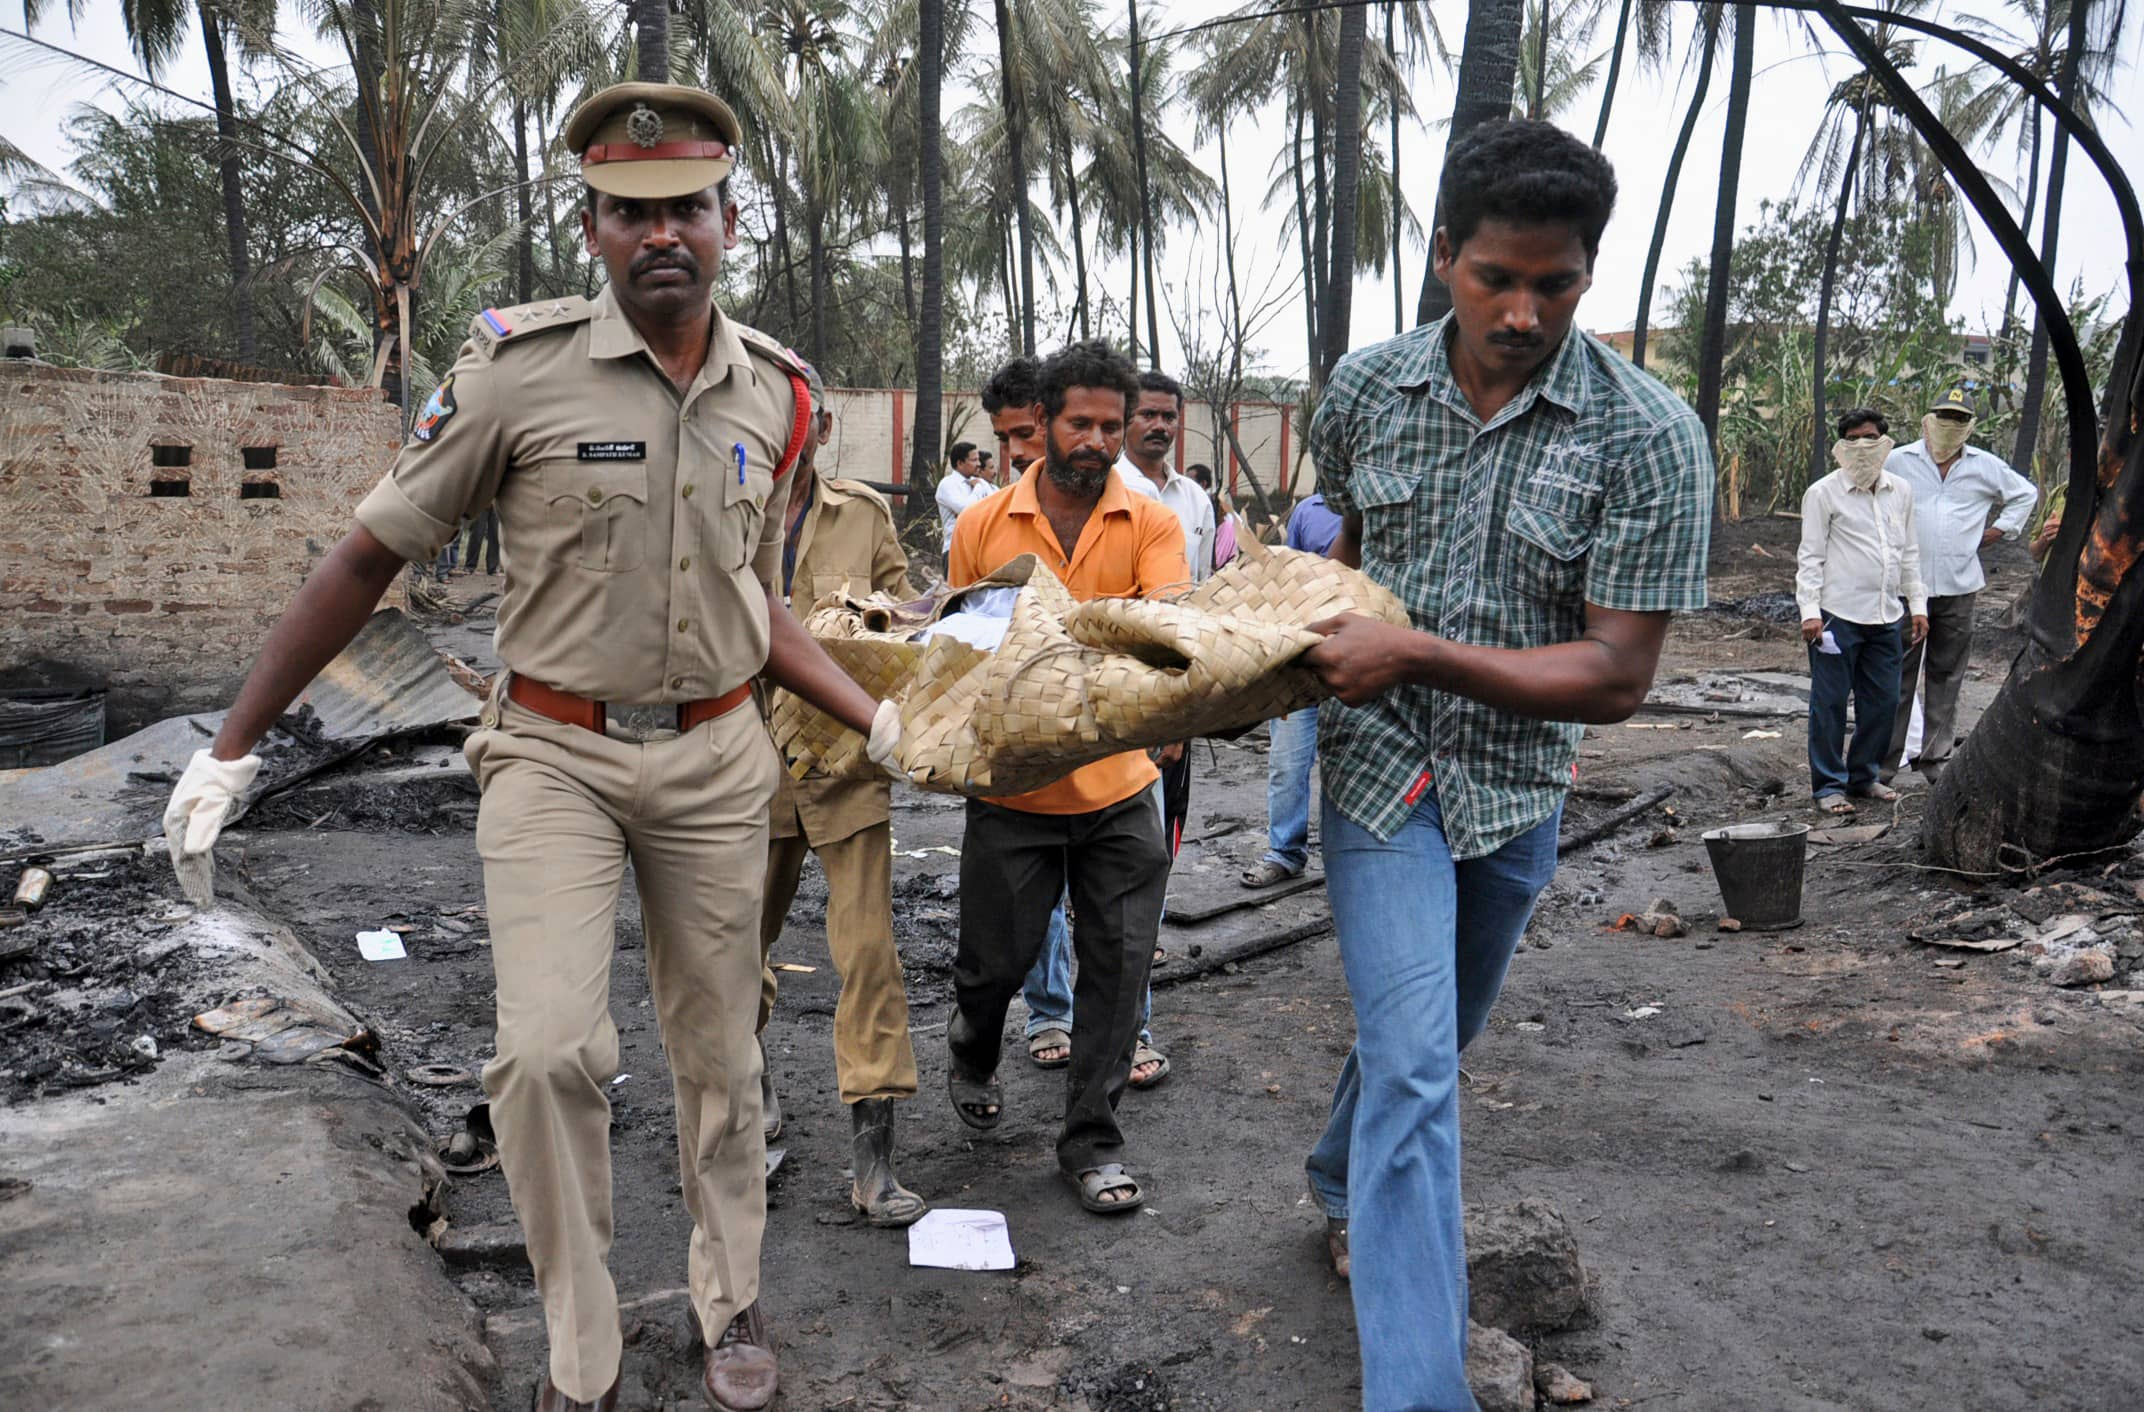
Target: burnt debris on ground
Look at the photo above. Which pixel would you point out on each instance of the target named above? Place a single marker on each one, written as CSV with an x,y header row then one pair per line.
x,y
93,990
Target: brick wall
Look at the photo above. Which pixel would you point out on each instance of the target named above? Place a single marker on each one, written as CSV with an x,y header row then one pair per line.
x,y
152,528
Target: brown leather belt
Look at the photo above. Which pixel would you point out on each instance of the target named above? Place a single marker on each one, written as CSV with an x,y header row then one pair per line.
x,y
569,709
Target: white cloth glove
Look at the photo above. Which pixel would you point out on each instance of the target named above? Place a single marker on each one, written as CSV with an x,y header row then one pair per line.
x,y
885,738
195,816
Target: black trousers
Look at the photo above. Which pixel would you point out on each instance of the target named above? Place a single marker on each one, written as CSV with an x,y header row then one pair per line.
x,y
1013,865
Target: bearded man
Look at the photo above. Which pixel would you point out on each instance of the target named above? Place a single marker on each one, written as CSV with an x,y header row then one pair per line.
x,y
1096,830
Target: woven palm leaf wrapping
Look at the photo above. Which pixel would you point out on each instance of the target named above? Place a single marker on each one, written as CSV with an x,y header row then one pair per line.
x,y
1073,682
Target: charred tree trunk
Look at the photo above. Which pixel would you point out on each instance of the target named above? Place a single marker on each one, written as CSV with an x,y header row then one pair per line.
x,y
2056,766
1615,74
1146,198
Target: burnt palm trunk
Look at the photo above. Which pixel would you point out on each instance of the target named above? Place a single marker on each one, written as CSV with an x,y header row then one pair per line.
x,y
1712,355
1706,27
234,200
525,240
1302,234
819,293
1488,61
2056,765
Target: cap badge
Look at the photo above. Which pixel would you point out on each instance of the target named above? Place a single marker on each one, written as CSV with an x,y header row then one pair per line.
x,y
644,126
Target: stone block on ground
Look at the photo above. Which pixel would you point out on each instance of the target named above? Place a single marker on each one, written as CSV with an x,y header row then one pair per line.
x,y
1559,1386
1523,1269
1500,1369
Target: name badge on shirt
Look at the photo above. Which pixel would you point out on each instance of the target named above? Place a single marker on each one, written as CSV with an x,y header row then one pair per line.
x,y
613,451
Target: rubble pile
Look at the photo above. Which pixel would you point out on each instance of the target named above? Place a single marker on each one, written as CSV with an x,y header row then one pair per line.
x,y
91,989
2071,934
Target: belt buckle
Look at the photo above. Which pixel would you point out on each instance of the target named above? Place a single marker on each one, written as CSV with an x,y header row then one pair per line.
x,y
643,725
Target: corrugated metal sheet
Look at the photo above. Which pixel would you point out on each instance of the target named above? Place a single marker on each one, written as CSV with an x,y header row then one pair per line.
x,y
388,682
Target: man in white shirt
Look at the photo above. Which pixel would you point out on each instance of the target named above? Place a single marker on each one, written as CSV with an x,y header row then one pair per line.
x,y
962,485
1957,491
1859,556
1149,441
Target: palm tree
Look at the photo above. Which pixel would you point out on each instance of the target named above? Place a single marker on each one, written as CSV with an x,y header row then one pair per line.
x,y
1705,40
2073,58
1488,65
651,39
1347,179
1654,34
2042,50
1712,354
154,31
930,335
1557,74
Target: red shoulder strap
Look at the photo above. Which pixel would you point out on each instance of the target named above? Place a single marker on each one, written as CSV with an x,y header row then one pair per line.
x,y
801,429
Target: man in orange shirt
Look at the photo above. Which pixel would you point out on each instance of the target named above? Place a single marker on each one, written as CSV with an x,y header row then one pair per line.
x,y
1097,828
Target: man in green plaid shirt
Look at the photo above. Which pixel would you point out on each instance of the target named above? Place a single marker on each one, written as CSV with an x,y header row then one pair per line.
x,y
1541,506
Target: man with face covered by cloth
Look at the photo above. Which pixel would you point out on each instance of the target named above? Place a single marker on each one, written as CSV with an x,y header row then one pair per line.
x,y
1859,559
639,447
1964,499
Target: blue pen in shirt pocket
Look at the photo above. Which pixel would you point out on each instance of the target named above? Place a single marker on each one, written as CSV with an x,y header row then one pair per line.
x,y
740,462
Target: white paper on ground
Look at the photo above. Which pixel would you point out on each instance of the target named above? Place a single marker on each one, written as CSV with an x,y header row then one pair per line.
x,y
380,946
961,1240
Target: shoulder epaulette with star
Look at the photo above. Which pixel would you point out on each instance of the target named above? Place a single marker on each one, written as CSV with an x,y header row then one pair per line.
x,y
494,327
768,348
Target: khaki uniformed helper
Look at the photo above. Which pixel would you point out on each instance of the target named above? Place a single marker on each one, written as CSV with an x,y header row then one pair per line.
x,y
616,494
846,543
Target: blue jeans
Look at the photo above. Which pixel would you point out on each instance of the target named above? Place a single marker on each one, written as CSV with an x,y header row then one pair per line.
x,y
1425,942
1048,989
1867,666
1295,747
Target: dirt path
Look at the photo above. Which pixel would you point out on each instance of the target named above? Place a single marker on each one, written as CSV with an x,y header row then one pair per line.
x,y
1825,1174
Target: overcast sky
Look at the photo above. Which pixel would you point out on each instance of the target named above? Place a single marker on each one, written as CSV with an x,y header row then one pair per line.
x,y
1793,80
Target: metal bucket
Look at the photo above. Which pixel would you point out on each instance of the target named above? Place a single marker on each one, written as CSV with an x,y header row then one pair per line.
x,y
1759,870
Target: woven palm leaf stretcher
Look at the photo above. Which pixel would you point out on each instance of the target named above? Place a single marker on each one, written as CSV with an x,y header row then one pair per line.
x,y
1072,682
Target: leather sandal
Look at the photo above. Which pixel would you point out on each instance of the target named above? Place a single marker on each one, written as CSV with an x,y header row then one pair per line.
x,y
977,1101
876,1192
550,1399
741,1374
1148,1054
1093,1183
1052,1038
1267,873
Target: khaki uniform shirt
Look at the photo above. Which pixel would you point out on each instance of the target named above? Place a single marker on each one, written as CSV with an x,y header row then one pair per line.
x,y
846,544
638,523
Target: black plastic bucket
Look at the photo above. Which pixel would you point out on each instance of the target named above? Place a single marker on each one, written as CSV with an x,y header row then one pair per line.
x,y
1759,870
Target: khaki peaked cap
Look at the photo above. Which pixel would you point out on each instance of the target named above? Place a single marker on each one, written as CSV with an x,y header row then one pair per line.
x,y
654,140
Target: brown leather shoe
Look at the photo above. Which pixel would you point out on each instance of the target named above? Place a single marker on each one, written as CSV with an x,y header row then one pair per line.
x,y
742,1375
1336,1244
550,1399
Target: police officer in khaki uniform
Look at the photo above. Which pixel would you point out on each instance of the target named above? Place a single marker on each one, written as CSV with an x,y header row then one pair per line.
x,y
636,447
840,539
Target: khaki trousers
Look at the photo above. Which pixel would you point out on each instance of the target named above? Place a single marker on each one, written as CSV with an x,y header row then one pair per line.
x,y
872,1054
563,808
